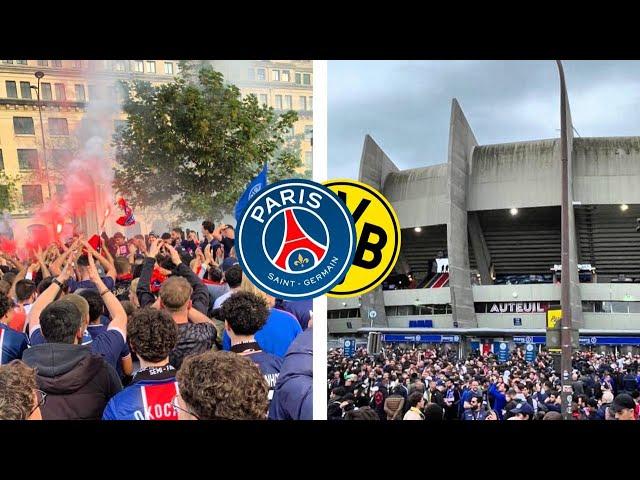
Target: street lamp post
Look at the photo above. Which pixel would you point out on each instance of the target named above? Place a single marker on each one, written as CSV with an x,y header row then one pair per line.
x,y
39,74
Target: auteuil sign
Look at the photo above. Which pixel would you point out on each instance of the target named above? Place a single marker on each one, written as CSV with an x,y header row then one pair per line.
x,y
518,307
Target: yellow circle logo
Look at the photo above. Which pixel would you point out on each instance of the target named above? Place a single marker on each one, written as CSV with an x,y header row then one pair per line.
x,y
378,234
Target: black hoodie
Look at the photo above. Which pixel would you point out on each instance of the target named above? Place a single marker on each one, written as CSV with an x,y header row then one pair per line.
x,y
77,382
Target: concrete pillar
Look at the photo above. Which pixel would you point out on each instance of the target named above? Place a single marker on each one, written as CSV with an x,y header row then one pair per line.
x,y
480,249
461,145
375,166
574,294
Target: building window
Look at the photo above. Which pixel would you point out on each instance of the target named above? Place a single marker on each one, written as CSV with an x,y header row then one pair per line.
x,y
60,158
251,74
77,64
263,99
43,63
56,63
308,132
288,102
28,158
275,75
12,91
23,126
306,79
151,67
25,90
31,195
308,159
310,103
262,74
60,191
45,93
61,95
80,96
8,61
298,78
303,103
138,66
278,102
118,66
285,76
21,62
93,93
58,126
168,68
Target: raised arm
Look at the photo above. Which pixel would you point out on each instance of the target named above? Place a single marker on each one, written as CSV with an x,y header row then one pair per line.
x,y
108,266
43,265
56,265
115,308
143,292
48,296
20,276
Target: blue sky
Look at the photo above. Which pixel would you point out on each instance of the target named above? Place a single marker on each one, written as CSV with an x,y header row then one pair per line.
x,y
405,105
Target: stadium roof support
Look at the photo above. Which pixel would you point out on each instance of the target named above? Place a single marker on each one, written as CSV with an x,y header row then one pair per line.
x,y
461,144
375,167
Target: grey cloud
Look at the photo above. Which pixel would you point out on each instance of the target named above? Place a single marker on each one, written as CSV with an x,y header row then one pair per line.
x,y
405,105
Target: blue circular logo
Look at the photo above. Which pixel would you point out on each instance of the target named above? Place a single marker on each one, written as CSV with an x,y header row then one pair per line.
x,y
296,240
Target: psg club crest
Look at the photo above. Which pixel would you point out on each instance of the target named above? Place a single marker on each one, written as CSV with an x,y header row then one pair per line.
x,y
296,239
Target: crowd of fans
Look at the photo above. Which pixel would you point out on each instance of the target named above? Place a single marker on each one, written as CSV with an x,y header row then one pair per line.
x,y
148,328
434,384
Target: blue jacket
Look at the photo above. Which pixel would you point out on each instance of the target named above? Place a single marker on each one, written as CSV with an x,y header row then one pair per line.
x,y
12,344
499,400
293,395
149,397
276,335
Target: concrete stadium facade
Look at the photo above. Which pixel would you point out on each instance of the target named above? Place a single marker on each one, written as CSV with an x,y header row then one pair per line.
x,y
463,206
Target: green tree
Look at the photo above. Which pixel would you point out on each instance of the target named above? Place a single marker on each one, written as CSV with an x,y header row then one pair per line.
x,y
193,144
8,192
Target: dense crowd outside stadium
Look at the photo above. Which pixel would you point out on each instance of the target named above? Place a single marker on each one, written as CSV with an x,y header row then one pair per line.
x,y
434,384
159,327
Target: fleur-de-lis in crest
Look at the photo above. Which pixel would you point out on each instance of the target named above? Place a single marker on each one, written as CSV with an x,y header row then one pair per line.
x,y
300,261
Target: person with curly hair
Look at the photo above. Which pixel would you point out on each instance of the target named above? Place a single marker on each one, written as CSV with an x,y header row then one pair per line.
x,y
244,313
221,386
12,343
19,397
152,335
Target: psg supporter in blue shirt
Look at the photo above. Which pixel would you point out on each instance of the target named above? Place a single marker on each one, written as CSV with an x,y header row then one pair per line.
x,y
84,280
293,396
279,331
78,382
244,313
109,344
97,328
12,343
152,334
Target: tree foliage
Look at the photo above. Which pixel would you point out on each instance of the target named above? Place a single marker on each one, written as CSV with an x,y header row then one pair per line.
x,y
193,144
8,192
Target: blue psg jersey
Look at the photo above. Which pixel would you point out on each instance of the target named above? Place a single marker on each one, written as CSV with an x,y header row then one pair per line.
x,y
12,344
269,366
149,397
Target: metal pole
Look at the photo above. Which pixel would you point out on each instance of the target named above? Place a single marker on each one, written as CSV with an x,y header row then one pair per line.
x,y
565,282
44,145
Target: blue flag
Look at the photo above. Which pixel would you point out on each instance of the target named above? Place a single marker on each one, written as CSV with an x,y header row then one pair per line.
x,y
253,188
